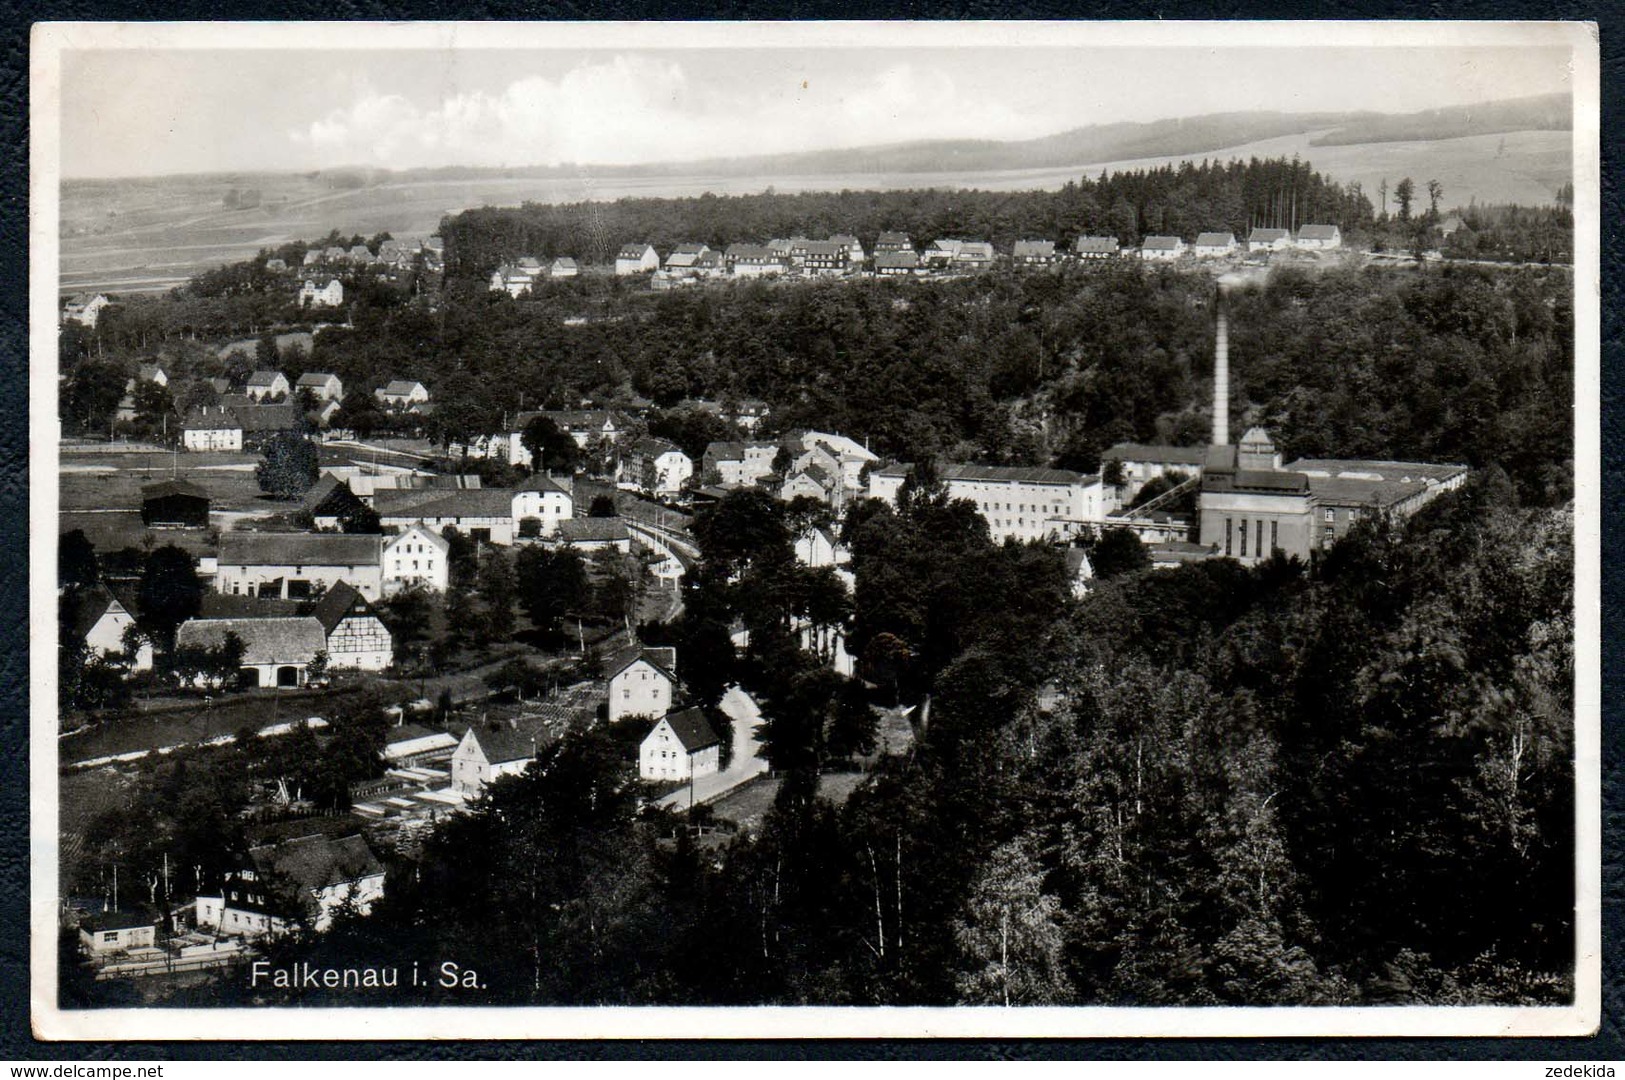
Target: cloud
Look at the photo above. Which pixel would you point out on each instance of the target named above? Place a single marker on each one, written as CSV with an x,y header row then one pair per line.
x,y
634,108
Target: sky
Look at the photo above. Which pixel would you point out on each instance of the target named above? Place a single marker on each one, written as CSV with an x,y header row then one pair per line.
x,y
158,111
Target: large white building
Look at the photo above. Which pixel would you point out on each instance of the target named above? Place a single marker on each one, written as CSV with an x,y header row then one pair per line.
x,y
547,500
485,755
681,746
294,566
1017,502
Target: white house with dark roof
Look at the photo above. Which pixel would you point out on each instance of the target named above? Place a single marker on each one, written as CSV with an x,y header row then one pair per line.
x,y
1142,463
754,260
303,881
330,295
547,500
896,264
594,534
893,241
402,394
297,565
853,246
636,259
212,427
85,310
117,931
323,385
1214,245
1269,240
588,427
482,514
684,258
659,467
266,384
277,651
563,267
356,638
642,682
486,754
101,623
1096,247
1161,248
414,557
1033,252
1320,237
681,746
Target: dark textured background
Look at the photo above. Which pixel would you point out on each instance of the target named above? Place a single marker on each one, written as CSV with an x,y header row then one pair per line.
x,y
16,1040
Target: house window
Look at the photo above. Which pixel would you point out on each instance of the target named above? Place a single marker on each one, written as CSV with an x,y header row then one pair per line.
x,y
1229,527
1329,514
1275,535
1243,538
111,935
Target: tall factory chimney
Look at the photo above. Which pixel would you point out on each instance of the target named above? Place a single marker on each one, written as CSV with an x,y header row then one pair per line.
x,y
1221,375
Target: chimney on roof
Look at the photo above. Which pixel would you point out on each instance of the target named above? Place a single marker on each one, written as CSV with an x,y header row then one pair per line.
x,y
1221,374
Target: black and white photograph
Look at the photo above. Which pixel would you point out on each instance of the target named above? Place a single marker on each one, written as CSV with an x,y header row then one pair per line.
x,y
724,530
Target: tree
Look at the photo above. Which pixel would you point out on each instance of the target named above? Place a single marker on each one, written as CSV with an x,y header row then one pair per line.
x,y
1435,193
552,584
76,560
1011,936
290,466
169,593
602,506
498,585
550,447
1405,192
1118,551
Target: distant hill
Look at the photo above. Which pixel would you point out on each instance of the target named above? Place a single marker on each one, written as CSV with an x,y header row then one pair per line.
x,y
1549,112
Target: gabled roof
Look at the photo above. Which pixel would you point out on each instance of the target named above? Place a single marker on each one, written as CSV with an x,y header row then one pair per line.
x,y
662,657
298,549
273,640
265,378
1268,236
341,602
583,530
1161,243
540,481
564,262
651,447
1006,473
887,260
976,249
1033,248
149,372
1086,245
165,488
316,378
751,251
227,606
401,387
692,729
503,745
433,503
1215,239
94,603
284,416
725,451
633,251
824,248
892,238
100,921
313,863
1318,232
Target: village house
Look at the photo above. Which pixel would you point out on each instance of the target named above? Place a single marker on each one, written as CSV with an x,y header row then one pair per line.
x,y
543,499
754,260
1033,252
1016,502
896,264
484,515
85,310
893,242
356,638
1096,247
414,558
360,254
942,253
277,651
849,457
710,264
588,427
974,255
299,882
563,267
297,565
331,501
178,504
266,386
402,395
334,254
1161,248
486,754
1320,237
738,464
854,248
747,413
658,467
313,256
824,257
685,257
817,547
812,481
636,259
681,746
261,423
212,427
330,295
323,385
594,534
1214,245
101,622
515,281
1269,240
642,682
117,931
411,745
152,373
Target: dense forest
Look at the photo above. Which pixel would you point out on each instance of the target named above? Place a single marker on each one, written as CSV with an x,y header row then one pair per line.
x,y
1182,200
1342,783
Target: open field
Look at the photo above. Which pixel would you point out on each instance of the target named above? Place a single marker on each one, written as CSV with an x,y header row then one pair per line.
x,y
151,234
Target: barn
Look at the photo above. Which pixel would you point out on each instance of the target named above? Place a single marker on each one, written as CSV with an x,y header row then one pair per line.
x,y
174,504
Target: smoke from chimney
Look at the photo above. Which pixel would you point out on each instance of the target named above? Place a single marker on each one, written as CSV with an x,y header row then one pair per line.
x,y
1221,375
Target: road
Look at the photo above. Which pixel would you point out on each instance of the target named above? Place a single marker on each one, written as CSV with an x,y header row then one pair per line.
x,y
747,762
